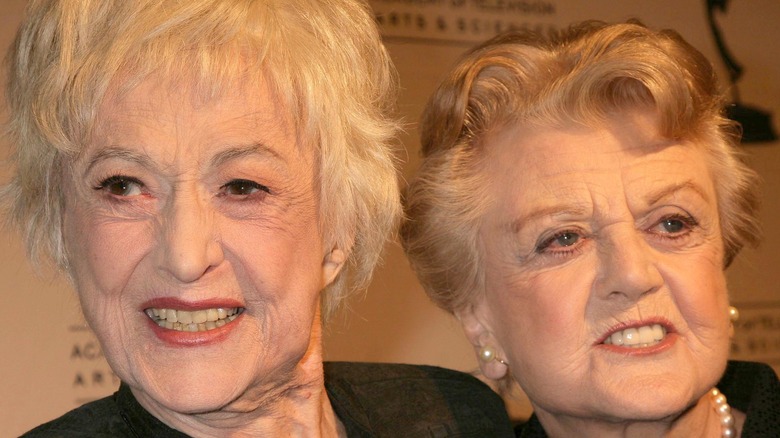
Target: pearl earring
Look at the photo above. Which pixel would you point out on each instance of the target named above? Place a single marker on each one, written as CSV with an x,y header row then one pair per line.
x,y
733,314
487,354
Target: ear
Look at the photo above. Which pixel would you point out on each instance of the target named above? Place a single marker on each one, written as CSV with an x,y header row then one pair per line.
x,y
331,265
477,329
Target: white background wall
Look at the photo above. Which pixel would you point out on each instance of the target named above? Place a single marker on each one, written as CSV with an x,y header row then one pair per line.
x,y
50,363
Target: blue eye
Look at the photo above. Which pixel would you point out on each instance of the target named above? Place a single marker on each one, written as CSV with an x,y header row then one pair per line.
x,y
563,242
673,225
566,238
120,185
243,187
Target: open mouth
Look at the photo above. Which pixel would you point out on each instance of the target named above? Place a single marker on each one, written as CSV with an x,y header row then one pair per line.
x,y
193,321
637,337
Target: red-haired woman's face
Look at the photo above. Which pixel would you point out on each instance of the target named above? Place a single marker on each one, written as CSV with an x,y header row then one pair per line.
x,y
605,291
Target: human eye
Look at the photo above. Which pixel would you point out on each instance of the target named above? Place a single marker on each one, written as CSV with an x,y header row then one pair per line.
x,y
561,243
674,226
121,186
243,188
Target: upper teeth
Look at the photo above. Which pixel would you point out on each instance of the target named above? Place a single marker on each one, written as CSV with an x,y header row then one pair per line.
x,y
637,336
193,321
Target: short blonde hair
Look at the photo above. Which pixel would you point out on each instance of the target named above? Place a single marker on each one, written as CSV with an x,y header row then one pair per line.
x,y
581,75
324,59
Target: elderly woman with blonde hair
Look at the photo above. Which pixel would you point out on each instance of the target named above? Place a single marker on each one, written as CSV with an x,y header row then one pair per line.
x,y
578,201
215,177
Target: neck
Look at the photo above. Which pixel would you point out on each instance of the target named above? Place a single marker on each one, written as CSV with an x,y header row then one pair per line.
x,y
298,407
699,421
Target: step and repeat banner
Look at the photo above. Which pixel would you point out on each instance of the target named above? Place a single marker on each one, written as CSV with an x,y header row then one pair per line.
x,y
467,22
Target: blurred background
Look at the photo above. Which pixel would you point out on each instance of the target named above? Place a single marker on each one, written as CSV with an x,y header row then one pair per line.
x,y
52,363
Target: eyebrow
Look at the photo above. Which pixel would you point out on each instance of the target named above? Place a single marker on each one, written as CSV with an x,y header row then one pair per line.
x,y
664,192
236,152
519,222
120,154
652,198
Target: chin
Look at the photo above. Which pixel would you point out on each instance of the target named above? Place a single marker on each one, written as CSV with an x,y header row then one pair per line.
x,y
192,402
196,399
659,409
661,389
654,400
194,389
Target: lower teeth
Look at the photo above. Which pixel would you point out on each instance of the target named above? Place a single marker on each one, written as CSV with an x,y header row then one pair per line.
x,y
202,327
209,320
641,345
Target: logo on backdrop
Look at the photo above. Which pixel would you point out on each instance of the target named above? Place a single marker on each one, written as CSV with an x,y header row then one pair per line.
x,y
757,333
91,377
462,21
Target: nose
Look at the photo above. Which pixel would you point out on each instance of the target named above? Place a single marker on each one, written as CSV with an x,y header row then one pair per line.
x,y
189,244
627,266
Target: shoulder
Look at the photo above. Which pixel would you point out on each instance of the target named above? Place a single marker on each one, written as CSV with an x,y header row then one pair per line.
x,y
119,415
414,400
754,389
99,418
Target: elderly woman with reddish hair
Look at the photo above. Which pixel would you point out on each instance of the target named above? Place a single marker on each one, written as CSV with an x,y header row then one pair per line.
x,y
578,201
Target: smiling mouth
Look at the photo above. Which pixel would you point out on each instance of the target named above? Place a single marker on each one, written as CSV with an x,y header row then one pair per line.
x,y
637,337
193,321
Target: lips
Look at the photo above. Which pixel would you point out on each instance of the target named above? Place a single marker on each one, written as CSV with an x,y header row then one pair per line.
x,y
189,324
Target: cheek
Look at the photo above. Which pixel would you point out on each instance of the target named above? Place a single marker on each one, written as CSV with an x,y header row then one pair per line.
x,y
279,270
544,309
102,256
102,253
279,277
701,294
275,253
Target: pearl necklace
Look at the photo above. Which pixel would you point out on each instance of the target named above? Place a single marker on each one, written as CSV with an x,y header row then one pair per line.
x,y
723,409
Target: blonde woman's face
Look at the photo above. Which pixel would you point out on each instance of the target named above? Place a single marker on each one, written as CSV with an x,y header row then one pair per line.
x,y
605,292
193,234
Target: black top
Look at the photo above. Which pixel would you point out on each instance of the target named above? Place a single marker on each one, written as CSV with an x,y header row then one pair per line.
x,y
371,400
750,387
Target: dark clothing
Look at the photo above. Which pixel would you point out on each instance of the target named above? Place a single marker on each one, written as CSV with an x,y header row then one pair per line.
x,y
753,388
371,400
413,401
749,387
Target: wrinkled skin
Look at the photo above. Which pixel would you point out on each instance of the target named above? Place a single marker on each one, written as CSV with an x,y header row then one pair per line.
x,y
202,204
592,231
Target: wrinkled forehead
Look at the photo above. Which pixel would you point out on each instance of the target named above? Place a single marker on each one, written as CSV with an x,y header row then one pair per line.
x,y
249,100
554,159
170,121
196,80
193,89
636,131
